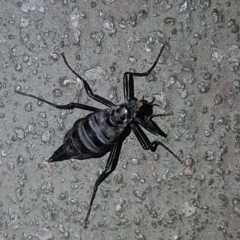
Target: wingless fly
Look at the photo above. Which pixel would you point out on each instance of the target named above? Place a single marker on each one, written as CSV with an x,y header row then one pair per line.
x,y
104,130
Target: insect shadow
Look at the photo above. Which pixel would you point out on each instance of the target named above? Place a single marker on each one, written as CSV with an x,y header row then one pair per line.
x,y
104,130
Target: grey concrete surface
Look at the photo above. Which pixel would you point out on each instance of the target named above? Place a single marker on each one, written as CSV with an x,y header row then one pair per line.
x,y
150,196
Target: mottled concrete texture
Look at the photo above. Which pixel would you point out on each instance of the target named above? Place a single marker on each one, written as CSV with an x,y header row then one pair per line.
x,y
150,196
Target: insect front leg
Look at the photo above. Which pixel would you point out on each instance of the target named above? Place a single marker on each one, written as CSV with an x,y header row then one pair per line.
x,y
110,167
149,122
151,126
71,105
147,144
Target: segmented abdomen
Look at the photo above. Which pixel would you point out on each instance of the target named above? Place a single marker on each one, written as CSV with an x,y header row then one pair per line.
x,y
90,137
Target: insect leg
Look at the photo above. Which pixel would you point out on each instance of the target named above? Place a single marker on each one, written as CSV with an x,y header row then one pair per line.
x,y
110,167
147,144
71,105
128,86
151,126
150,122
88,88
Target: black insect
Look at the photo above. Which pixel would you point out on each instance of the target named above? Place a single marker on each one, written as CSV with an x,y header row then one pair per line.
x,y
104,131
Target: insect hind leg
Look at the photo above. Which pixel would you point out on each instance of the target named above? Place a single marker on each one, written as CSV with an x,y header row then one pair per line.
x,y
87,87
110,167
69,106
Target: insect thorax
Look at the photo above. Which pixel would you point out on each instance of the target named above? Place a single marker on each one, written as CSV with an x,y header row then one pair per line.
x,y
121,115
